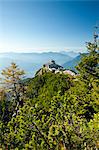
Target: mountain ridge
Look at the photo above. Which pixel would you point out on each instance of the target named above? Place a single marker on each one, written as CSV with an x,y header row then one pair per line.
x,y
72,63
31,62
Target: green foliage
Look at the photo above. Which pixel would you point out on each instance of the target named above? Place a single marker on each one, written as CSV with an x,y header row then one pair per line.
x,y
54,121
60,112
11,96
48,83
89,66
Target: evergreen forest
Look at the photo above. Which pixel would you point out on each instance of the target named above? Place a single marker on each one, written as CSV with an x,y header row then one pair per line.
x,y
51,111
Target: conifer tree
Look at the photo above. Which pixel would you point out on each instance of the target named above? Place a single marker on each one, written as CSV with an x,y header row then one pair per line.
x,y
12,81
89,65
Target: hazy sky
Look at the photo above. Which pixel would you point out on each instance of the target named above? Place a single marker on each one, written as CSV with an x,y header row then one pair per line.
x,y
46,25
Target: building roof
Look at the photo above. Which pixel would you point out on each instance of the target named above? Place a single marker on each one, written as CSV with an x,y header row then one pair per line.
x,y
52,64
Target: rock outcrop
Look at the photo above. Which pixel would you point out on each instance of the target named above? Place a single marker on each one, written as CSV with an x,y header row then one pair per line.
x,y
55,68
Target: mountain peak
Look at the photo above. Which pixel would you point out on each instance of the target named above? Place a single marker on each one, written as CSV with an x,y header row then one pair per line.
x,y
51,66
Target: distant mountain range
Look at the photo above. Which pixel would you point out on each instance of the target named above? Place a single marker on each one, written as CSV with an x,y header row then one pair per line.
x,y
70,53
72,63
31,62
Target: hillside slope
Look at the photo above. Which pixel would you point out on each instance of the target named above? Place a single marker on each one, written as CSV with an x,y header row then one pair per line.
x,y
72,63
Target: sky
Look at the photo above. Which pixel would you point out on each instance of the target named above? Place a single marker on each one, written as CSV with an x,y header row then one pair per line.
x,y
51,25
